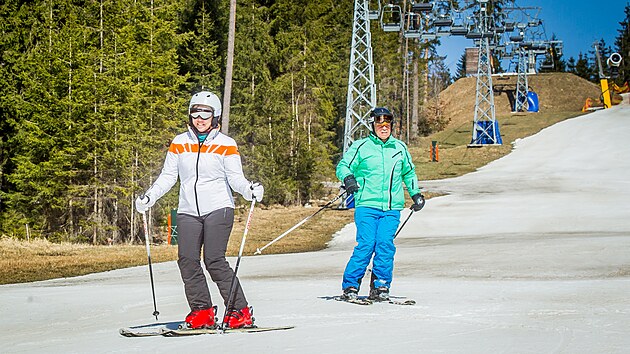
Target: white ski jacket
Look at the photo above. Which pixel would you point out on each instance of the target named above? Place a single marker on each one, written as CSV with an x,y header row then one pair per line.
x,y
206,173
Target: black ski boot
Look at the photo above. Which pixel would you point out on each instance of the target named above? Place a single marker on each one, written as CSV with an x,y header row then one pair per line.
x,y
379,294
350,293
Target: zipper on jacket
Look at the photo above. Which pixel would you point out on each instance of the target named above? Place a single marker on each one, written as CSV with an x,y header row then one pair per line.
x,y
391,180
391,186
197,177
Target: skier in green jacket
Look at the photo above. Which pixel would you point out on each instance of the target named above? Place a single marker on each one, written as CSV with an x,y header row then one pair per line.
x,y
374,169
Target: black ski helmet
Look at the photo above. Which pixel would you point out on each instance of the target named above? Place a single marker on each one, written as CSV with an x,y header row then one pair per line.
x,y
380,112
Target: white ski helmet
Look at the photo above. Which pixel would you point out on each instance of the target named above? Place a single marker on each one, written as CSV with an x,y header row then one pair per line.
x,y
206,98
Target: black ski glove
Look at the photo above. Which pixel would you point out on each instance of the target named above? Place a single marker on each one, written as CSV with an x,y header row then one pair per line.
x,y
350,184
418,202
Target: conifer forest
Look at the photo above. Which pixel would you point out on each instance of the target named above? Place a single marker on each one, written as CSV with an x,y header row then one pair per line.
x,y
93,91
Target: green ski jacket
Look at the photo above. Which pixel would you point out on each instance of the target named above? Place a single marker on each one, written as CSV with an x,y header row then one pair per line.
x,y
380,168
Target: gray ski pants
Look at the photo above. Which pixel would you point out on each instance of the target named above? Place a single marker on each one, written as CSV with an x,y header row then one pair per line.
x,y
212,231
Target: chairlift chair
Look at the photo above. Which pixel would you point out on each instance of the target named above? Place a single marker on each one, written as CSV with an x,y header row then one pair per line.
x,y
547,66
443,32
526,45
473,35
390,18
414,21
422,7
459,30
412,34
534,23
539,47
497,29
458,24
559,48
539,52
443,21
549,62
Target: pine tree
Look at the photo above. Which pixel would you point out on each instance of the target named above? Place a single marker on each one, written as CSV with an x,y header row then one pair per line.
x,y
622,45
98,84
583,68
42,143
93,92
289,121
598,66
571,65
199,57
461,67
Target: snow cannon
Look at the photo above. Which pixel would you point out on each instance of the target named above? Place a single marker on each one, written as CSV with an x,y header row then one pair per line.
x,y
614,60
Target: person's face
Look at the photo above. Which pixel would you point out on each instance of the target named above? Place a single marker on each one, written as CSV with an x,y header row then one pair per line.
x,y
383,127
202,117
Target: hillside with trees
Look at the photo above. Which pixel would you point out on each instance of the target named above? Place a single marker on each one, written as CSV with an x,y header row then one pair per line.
x,y
92,92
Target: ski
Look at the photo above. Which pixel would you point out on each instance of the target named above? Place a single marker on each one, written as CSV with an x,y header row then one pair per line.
x,y
167,331
364,300
407,302
357,301
194,332
131,332
148,330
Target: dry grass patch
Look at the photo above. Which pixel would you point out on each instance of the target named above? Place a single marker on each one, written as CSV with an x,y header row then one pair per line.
x,y
457,159
25,261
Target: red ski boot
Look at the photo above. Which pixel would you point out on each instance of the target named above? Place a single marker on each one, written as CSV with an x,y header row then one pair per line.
x,y
240,318
201,318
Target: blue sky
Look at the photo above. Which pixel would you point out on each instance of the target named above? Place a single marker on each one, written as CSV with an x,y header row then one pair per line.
x,y
577,23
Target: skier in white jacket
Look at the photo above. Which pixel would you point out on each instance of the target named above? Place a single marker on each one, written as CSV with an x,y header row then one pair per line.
x,y
208,165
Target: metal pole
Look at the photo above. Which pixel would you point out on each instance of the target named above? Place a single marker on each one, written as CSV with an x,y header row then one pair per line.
x,y
259,250
238,262
229,67
146,241
403,224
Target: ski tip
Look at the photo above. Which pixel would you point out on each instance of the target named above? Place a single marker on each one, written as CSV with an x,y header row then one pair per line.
x,y
258,251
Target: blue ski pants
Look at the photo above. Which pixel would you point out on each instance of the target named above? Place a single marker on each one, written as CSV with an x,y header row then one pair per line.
x,y
375,237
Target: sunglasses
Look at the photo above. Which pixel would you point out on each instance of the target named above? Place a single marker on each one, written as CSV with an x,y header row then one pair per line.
x,y
203,113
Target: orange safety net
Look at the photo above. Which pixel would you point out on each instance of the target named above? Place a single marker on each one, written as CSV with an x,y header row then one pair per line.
x,y
588,104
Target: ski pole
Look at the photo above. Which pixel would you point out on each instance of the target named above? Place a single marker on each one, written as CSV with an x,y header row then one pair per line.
x,y
403,224
409,216
146,241
259,250
238,262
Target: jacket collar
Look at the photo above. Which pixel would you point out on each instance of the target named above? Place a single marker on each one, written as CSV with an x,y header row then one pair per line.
x,y
211,135
378,141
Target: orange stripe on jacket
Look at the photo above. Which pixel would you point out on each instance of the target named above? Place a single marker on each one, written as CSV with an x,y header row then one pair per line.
x,y
213,149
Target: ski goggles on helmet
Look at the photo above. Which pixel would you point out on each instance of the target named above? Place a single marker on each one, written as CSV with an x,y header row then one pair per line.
x,y
383,120
202,112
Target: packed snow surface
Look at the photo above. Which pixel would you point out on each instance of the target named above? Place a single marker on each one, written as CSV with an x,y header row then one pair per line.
x,y
529,254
